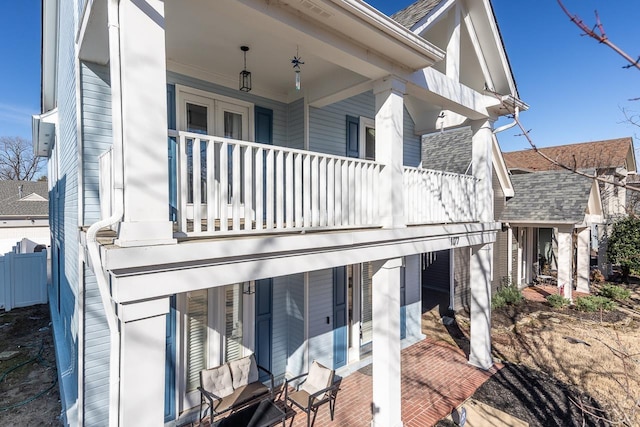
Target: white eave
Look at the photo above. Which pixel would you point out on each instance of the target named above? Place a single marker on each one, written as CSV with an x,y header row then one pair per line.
x,y
368,27
49,54
43,128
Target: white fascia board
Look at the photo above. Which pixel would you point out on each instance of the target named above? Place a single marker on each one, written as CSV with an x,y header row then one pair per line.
x,y
433,16
162,280
542,224
632,167
116,258
49,53
500,46
393,29
595,200
500,167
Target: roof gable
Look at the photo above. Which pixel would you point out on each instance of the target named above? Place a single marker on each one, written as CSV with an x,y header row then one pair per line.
x,y
611,153
482,56
552,197
24,198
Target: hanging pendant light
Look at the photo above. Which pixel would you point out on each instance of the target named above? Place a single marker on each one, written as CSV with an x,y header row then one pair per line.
x,y
245,76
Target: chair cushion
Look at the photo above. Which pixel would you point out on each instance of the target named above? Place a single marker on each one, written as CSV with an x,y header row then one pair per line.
x,y
320,377
217,380
244,371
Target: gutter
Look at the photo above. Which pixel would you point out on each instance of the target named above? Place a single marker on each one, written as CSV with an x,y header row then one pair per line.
x,y
116,216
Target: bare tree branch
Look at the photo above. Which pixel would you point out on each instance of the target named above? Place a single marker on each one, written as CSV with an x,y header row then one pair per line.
x,y
600,35
17,160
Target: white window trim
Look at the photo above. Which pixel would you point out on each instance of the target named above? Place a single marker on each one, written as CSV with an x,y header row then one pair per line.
x,y
364,123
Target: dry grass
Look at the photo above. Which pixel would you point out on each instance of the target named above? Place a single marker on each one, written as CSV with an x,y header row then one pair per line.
x,y
602,359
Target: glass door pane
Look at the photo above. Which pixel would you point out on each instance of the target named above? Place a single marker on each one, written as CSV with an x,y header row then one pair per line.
x,y
370,143
197,121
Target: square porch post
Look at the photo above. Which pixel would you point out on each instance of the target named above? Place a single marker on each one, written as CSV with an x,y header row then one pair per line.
x,y
387,399
565,258
389,94
142,362
144,124
584,260
481,256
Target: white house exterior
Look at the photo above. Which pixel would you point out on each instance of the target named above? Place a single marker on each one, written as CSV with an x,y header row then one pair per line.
x,y
302,238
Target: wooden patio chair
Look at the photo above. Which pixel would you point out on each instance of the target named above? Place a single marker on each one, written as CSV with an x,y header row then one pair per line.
x,y
316,388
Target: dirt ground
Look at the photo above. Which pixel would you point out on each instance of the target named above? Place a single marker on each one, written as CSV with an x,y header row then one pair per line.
x,y
591,366
29,393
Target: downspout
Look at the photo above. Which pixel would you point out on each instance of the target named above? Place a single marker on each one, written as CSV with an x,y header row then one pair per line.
x,y
116,216
509,125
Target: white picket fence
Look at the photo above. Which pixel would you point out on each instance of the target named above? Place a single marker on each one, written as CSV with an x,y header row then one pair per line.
x,y
23,279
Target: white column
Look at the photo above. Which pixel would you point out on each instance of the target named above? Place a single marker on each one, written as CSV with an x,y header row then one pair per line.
x,y
389,139
386,343
565,256
480,354
142,362
482,167
584,260
144,124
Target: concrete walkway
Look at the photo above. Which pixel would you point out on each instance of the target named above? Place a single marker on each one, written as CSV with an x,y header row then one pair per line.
x,y
436,378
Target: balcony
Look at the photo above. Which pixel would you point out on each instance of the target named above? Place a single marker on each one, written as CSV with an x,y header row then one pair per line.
x,y
251,188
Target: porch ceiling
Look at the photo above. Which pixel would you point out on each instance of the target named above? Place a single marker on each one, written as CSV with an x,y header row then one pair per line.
x,y
204,39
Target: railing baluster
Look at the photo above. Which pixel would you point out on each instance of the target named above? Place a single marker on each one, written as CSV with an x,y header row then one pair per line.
x,y
331,191
279,189
248,188
352,193
236,188
339,191
183,186
357,172
224,186
298,189
306,186
259,165
315,196
270,189
211,187
322,189
197,190
289,195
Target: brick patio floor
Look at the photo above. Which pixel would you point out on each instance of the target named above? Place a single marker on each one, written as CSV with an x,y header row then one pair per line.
x,y
435,379
539,293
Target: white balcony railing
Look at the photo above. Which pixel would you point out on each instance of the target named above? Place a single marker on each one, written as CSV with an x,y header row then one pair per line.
x,y
437,197
247,187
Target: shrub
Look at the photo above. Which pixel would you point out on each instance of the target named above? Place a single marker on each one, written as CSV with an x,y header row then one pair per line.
x,y
557,301
614,292
593,303
596,276
508,294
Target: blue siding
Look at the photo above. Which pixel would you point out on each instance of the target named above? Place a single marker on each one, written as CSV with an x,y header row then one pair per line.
x,y
295,324
64,212
280,110
96,132
279,339
296,124
328,131
321,332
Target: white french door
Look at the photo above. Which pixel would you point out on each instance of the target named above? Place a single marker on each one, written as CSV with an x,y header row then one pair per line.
x,y
211,114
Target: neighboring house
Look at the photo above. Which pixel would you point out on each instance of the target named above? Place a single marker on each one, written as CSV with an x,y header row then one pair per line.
x,y
550,221
612,159
24,216
448,271
194,222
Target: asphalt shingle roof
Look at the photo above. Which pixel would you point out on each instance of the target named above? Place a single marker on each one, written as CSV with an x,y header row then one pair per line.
x,y
11,205
548,196
411,14
448,151
610,153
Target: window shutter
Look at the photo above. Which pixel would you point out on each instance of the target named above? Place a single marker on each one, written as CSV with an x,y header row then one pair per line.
x,y
233,323
353,136
367,309
197,321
